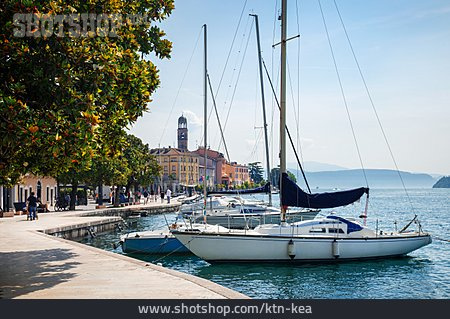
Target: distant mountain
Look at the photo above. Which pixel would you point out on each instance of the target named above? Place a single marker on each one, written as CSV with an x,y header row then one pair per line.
x,y
377,178
318,167
444,182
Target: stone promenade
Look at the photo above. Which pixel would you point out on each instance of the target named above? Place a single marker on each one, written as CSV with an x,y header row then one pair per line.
x,y
36,265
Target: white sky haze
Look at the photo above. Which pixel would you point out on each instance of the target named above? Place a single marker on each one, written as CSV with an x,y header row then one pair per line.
x,y
403,48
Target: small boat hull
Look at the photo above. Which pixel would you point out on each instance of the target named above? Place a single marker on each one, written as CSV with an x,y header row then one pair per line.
x,y
157,244
245,248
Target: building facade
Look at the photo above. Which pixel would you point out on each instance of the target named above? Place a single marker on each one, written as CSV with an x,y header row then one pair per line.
x,y
227,174
44,188
179,167
210,172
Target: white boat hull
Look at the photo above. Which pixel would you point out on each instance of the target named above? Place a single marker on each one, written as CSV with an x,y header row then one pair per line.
x,y
245,248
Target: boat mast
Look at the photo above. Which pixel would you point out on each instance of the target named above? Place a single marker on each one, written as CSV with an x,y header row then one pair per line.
x,y
263,106
283,104
205,110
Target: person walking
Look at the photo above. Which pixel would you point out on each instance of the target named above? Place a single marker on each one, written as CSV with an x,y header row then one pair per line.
x,y
145,197
168,193
162,195
32,206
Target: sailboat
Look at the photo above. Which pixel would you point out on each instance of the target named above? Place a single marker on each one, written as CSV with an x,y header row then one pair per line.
x,y
331,238
236,212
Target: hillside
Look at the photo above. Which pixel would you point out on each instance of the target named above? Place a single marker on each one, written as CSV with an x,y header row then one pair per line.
x,y
311,166
377,178
444,182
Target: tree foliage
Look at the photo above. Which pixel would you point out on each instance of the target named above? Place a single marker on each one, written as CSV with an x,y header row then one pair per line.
x,y
135,167
142,166
256,172
63,98
275,176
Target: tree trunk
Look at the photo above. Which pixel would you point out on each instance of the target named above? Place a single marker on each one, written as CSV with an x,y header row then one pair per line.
x,y
73,195
116,196
136,189
100,194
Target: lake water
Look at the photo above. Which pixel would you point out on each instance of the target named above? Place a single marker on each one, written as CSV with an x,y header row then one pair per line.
x,y
424,273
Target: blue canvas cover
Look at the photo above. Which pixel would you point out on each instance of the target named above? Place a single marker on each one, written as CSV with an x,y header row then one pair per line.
x,y
292,195
262,189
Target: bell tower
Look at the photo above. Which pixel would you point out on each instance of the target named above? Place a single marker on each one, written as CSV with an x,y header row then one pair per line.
x,y
182,133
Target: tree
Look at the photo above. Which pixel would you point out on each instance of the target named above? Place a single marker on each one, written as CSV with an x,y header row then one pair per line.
x,y
133,168
142,166
61,96
256,172
275,176
106,170
72,177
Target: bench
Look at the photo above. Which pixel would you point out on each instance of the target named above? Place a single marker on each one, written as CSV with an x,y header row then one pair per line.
x,y
20,207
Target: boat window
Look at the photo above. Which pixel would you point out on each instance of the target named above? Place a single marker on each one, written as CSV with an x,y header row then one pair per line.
x,y
335,230
317,230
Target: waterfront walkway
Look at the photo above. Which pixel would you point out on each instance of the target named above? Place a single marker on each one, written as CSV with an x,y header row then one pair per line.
x,y
36,265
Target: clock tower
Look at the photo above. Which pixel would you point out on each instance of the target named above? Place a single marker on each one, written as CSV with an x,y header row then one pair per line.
x,y
182,133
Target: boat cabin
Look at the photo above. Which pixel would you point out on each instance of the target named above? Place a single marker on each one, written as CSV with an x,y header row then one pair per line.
x,y
333,226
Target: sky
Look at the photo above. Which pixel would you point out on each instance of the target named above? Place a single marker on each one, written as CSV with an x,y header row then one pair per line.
x,y
402,47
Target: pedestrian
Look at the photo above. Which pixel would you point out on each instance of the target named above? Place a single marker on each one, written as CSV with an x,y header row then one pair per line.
x,y
67,200
168,193
162,195
145,196
32,206
152,195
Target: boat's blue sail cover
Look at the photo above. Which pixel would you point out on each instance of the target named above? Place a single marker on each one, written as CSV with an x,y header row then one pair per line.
x,y
262,189
292,195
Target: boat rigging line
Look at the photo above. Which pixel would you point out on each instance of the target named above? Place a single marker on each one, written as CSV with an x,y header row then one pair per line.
x,y
343,93
296,113
407,225
237,79
179,88
261,77
299,143
231,48
275,19
234,69
287,129
228,57
369,95
218,119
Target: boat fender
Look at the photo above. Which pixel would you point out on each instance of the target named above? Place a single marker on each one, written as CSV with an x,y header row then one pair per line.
x,y
291,249
335,248
173,226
